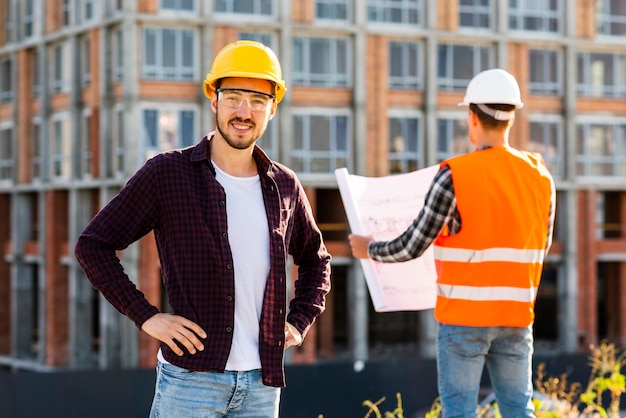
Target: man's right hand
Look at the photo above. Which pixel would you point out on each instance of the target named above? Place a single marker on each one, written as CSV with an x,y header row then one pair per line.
x,y
170,329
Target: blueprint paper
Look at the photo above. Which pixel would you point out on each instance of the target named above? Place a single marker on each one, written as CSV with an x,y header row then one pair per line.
x,y
384,207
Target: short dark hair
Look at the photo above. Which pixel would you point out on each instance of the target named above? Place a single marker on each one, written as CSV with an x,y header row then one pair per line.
x,y
488,121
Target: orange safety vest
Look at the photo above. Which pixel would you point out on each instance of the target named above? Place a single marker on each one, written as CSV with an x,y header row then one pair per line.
x,y
489,272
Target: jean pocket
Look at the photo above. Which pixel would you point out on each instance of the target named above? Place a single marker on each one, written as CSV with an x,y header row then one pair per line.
x,y
172,370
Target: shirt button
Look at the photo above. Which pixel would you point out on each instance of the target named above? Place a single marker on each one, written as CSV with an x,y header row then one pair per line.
x,y
228,329
222,203
224,234
280,311
280,343
229,266
229,298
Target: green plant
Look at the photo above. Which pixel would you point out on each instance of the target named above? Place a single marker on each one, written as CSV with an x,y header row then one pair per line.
x,y
373,409
554,396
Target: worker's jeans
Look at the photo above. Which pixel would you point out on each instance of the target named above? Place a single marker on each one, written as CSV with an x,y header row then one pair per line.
x,y
182,393
461,354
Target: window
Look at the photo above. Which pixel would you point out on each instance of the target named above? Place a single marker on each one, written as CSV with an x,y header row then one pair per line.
x,y
65,12
86,152
6,153
611,17
405,144
6,86
602,75
475,14
458,64
546,138
36,147
61,69
395,11
545,72
8,21
332,9
36,72
535,16
321,62
264,38
116,165
405,71
169,54
85,57
269,141
166,129
251,7
452,137
30,22
61,147
118,54
601,149
86,10
183,5
321,142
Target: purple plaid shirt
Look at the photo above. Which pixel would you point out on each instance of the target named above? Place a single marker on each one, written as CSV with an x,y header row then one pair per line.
x,y
176,195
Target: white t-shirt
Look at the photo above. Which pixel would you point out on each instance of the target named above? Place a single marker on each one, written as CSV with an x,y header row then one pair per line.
x,y
248,236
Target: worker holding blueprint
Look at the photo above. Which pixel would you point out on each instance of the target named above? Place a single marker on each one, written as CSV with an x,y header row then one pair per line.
x,y
489,215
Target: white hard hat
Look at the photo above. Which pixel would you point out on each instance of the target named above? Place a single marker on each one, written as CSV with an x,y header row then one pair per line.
x,y
493,86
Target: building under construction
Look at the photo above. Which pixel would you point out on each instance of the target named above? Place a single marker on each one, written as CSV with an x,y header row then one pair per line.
x,y
91,89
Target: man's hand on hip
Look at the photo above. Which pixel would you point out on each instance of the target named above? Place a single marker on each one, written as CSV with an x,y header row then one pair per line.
x,y
170,329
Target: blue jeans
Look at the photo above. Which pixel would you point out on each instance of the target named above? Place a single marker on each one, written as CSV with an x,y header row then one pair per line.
x,y
184,394
461,354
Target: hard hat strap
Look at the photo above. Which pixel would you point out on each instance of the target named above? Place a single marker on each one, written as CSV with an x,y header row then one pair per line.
x,y
496,114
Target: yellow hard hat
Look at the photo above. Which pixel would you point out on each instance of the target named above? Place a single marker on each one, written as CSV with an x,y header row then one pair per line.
x,y
248,59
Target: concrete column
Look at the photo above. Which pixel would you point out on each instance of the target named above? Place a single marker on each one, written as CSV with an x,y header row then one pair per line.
x,y
567,287
358,313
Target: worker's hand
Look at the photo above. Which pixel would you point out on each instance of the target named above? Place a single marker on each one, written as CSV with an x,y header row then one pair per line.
x,y
359,244
292,336
170,328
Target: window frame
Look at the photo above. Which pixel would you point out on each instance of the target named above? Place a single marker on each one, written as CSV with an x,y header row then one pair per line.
x,y
304,55
556,163
150,149
542,14
475,12
6,79
584,163
230,6
7,162
406,81
384,12
332,6
549,88
460,118
158,71
585,63
606,18
61,161
447,82
404,157
306,154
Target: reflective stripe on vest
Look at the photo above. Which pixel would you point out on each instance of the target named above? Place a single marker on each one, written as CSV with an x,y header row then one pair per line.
x,y
492,254
496,293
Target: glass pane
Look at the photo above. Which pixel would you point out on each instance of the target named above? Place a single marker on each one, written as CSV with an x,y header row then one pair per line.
x,y
320,133
168,130
169,48
187,128
150,127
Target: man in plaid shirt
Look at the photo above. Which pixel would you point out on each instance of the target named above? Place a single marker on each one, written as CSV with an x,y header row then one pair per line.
x,y
226,219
